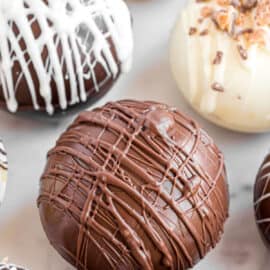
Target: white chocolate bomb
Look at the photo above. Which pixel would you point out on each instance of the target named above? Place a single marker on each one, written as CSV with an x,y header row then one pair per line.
x,y
34,31
3,171
220,53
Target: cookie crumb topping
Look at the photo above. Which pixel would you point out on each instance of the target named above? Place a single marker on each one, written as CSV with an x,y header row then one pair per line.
x,y
245,21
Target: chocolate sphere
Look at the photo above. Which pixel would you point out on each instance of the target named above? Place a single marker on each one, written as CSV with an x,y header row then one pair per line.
x,y
262,200
3,170
219,51
133,185
56,54
4,266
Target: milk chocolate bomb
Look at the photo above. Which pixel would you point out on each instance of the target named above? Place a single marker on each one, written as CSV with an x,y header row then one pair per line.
x,y
56,54
262,200
134,185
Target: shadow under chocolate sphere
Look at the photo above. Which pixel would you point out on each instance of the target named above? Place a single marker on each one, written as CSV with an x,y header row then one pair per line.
x,y
23,242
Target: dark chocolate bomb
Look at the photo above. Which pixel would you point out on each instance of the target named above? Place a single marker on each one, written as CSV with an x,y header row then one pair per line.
x,y
56,54
262,200
134,185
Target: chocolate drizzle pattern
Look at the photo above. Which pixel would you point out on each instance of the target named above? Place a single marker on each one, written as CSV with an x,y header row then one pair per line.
x,y
134,185
3,157
59,52
262,200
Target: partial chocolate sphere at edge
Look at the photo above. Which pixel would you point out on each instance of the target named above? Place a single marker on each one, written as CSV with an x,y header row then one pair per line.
x,y
134,185
4,266
59,54
262,200
3,171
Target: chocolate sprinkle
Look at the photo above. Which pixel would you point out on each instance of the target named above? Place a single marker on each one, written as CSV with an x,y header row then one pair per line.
x,y
245,31
242,52
249,4
192,31
200,20
204,32
218,58
217,87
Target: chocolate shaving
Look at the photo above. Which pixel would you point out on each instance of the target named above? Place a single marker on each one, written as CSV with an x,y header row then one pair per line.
x,y
192,31
218,58
214,19
204,32
200,20
249,4
245,31
217,87
235,3
242,52
215,22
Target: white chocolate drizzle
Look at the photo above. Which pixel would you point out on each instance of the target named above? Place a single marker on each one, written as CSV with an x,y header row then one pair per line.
x,y
264,176
81,28
262,196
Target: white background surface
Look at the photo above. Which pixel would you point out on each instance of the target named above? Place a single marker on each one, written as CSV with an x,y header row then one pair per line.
x,y
27,141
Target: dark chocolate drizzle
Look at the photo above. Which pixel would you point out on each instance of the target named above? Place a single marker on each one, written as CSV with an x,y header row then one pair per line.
x,y
144,184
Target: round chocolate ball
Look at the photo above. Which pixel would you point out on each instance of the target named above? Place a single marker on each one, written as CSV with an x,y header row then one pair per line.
x,y
134,185
262,200
4,266
219,50
3,171
56,54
